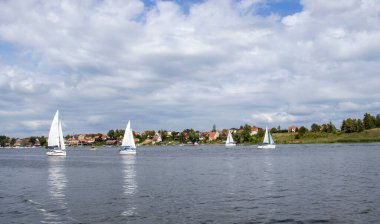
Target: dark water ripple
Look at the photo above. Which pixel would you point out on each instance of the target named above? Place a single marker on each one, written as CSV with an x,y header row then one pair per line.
x,y
333,183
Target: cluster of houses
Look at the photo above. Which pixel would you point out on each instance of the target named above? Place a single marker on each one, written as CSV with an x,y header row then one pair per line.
x,y
25,142
90,139
82,139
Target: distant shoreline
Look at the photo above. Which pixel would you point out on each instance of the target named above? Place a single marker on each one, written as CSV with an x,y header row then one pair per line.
x,y
371,135
366,136
352,141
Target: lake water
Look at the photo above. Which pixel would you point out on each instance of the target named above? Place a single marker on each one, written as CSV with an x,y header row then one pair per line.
x,y
328,183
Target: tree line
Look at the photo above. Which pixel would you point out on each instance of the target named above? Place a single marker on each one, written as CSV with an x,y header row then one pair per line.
x,y
5,140
350,125
240,135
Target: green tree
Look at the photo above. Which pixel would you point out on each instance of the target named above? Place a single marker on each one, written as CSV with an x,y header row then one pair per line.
x,y
238,138
369,121
331,127
148,134
260,133
42,140
13,141
349,125
32,140
315,127
213,128
174,134
182,137
377,121
302,130
111,134
164,135
246,133
193,136
343,126
359,125
3,140
119,133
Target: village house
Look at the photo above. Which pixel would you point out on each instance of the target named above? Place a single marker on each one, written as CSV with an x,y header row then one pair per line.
x,y
136,140
71,141
111,142
37,143
17,143
224,133
213,136
233,130
26,142
254,130
203,136
157,138
147,141
292,129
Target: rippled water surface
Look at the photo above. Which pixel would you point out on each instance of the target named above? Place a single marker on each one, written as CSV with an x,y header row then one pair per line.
x,y
333,183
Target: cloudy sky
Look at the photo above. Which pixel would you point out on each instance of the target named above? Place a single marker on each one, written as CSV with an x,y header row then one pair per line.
x,y
186,64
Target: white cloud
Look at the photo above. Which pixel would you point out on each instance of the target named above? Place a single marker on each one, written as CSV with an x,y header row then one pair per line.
x,y
273,118
95,119
35,124
349,106
104,62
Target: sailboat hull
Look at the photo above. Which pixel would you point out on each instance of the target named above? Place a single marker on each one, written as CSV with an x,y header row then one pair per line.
x,y
128,152
56,152
269,146
230,144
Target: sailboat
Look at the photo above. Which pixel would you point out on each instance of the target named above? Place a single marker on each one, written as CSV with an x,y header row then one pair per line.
x,y
268,142
56,143
128,145
230,141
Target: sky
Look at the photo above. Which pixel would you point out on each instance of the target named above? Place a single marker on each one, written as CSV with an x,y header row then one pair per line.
x,y
186,64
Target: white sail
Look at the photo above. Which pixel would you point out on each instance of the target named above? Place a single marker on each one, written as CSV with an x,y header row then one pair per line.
x,y
271,141
266,137
54,139
230,140
268,142
56,142
128,139
61,140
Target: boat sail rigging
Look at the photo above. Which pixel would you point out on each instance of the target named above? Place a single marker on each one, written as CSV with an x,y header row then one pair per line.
x,y
268,142
128,145
230,141
56,143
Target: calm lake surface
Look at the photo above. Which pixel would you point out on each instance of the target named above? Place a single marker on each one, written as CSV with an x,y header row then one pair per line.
x,y
328,183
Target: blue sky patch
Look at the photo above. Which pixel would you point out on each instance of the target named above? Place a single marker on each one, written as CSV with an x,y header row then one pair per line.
x,y
280,7
184,4
7,52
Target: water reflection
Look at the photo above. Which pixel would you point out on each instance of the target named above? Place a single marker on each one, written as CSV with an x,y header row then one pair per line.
x,y
57,180
129,183
56,189
268,176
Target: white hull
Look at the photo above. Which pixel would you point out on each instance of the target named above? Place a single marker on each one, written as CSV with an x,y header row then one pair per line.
x,y
230,145
56,152
269,146
128,152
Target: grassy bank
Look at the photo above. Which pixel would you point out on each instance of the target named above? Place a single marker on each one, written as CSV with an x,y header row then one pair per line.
x,y
372,135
